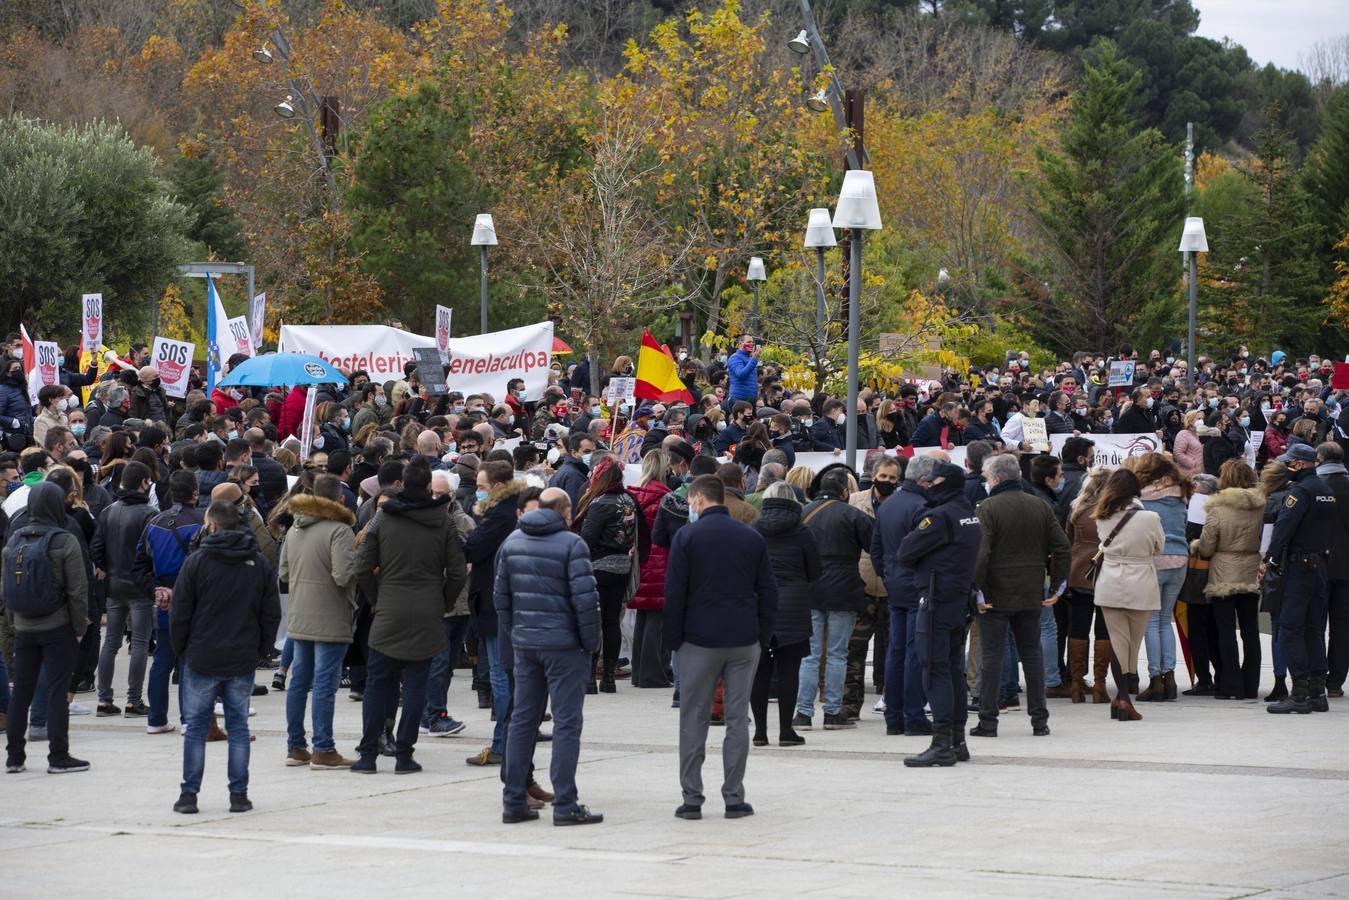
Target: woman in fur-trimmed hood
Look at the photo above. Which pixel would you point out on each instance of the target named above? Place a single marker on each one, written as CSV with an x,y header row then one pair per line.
x,y
1231,541
316,565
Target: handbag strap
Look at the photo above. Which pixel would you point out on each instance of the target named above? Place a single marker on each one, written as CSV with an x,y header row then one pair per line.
x,y
806,520
1120,527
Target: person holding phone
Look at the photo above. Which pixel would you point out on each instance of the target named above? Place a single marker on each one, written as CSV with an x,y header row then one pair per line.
x,y
743,369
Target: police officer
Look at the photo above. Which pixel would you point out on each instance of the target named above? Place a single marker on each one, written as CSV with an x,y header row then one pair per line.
x,y
942,550
1299,549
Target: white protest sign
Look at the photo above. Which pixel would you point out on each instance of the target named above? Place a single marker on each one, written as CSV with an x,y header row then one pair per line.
x,y
240,337
173,360
258,312
307,424
1121,373
620,389
1253,447
92,318
48,360
1036,433
443,314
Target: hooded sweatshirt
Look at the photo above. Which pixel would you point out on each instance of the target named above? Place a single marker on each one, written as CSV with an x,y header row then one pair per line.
x,y
46,507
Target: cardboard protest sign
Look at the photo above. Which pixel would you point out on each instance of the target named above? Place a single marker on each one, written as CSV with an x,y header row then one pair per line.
x,y
443,314
173,360
91,317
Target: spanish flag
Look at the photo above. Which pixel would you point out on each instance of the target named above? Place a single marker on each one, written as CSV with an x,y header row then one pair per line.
x,y
657,376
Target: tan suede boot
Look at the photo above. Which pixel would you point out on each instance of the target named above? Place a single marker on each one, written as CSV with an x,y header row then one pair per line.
x,y
1077,669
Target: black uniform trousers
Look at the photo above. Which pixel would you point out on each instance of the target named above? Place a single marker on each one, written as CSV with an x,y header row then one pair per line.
x,y
1302,620
940,642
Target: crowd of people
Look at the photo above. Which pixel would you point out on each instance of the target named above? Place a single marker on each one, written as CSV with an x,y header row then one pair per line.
x,y
563,545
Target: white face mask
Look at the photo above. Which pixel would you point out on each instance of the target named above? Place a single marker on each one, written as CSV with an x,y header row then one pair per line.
x,y
63,404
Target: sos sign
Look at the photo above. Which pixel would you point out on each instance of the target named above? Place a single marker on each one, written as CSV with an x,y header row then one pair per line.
x,y
173,360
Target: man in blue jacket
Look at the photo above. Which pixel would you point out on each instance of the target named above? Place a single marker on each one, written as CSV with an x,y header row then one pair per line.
x,y
904,695
719,618
743,369
549,627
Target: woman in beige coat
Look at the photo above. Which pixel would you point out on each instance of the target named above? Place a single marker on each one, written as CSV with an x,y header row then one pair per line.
x,y
1126,588
1231,542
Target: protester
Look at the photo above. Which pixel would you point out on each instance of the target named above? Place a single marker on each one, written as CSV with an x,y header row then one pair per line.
x,y
884,474
608,520
223,616
718,619
1166,492
1127,589
545,598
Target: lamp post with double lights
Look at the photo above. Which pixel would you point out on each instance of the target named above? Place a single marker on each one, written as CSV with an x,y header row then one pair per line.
x,y
858,211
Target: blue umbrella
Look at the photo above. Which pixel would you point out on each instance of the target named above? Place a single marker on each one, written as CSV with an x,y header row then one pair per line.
x,y
282,369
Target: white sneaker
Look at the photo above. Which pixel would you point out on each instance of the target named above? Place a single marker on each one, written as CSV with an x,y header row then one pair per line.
x,y
79,709
220,710
160,729
879,708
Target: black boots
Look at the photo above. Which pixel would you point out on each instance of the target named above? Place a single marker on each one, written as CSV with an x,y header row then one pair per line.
x,y
607,684
1316,694
1296,702
938,753
1280,691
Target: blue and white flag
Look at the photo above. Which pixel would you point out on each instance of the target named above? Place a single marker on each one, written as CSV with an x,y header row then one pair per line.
x,y
216,336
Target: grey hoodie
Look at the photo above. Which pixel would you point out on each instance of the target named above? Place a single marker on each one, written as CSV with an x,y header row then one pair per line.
x,y
46,506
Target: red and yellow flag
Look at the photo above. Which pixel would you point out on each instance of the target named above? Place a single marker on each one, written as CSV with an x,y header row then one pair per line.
x,y
657,375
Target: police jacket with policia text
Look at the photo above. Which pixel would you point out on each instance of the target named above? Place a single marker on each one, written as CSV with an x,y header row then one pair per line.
x,y
942,547
1307,520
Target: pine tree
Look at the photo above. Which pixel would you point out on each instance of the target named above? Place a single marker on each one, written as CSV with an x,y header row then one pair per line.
x,y
1327,172
198,184
1109,206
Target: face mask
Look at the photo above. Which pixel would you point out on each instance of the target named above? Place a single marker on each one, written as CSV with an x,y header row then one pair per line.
x,y
381,401
1265,408
721,358
318,442
1212,402
1068,389
585,459
77,429
480,494
807,422
12,486
243,508
254,490
458,408
721,426
346,424
63,404
840,419
1170,360
595,411
1107,421
884,488
683,356
1245,354
693,516
1148,402
624,408
510,420
1244,421
232,435
1081,411
519,395
233,394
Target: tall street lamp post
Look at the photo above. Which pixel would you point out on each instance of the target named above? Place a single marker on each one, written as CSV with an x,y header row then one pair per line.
x,y
484,236
1192,241
857,211
819,235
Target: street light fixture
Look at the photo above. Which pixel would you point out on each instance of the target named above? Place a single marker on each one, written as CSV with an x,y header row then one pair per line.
x,y
263,55
484,236
818,101
858,210
800,45
755,274
819,235
284,109
1193,240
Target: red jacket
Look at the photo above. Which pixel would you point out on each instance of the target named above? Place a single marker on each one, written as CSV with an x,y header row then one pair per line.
x,y
650,594
222,401
292,413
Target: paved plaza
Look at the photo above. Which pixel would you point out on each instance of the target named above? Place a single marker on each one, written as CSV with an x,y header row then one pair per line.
x,y
1200,799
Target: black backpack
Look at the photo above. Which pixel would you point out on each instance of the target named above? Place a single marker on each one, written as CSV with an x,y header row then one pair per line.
x,y
29,585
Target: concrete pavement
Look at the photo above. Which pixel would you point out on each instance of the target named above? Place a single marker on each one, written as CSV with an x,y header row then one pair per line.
x,y
1200,799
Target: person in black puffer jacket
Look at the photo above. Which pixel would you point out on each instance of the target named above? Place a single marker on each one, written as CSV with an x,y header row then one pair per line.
x,y
608,519
796,566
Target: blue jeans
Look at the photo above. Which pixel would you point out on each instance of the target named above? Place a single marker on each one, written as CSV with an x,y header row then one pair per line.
x,y
541,675
501,692
904,696
1276,648
287,654
442,669
1049,645
161,667
839,626
316,666
197,695
1160,638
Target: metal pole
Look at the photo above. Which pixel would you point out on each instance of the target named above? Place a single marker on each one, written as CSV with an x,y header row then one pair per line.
x,y
1194,307
835,91
484,291
754,313
819,294
248,307
854,317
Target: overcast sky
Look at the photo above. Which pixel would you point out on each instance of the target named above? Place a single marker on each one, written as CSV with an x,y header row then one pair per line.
x,y
1273,30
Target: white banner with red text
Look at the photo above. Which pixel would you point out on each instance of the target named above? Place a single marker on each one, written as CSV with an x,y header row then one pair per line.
x,y
482,363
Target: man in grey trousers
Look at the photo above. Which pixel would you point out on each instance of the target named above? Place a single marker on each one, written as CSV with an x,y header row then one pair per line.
x,y
720,599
